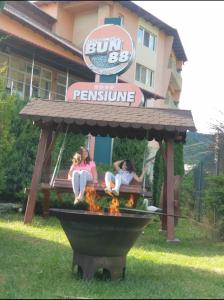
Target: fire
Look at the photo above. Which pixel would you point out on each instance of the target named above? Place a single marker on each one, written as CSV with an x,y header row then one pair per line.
x,y
130,201
114,207
90,199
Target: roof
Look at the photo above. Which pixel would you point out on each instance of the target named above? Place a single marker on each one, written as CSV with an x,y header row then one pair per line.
x,y
177,44
104,119
40,28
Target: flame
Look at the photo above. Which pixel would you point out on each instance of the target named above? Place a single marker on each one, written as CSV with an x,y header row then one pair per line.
x,y
130,201
90,199
114,207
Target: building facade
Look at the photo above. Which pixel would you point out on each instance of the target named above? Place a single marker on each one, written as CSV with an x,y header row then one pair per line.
x,y
41,49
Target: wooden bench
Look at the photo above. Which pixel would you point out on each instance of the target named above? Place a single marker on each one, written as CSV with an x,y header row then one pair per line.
x,y
63,185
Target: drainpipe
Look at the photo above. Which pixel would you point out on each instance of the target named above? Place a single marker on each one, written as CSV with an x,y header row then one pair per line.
x,y
31,79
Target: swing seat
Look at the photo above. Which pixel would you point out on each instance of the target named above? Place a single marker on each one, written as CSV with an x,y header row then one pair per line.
x,y
63,185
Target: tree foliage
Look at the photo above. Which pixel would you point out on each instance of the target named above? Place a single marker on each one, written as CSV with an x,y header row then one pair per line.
x,y
6,140
130,149
214,201
20,153
159,169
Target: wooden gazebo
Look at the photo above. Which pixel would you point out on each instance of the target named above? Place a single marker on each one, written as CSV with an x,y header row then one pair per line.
x,y
165,125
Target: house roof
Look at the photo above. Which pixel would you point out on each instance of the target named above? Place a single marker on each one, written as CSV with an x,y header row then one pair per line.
x,y
105,119
177,44
15,13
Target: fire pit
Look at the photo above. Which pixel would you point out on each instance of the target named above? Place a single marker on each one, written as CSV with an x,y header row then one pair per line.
x,y
101,240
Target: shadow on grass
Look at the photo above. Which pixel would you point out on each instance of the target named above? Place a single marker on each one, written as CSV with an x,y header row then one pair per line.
x,y
193,241
37,268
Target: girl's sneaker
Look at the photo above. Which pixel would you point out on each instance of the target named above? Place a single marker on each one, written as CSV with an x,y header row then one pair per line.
x,y
115,192
108,191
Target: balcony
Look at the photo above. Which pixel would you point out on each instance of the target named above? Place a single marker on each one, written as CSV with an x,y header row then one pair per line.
x,y
176,79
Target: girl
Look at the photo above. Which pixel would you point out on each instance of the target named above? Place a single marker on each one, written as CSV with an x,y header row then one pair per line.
x,y
125,174
81,171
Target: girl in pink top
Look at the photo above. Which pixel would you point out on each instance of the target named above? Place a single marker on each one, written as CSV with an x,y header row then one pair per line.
x,y
81,171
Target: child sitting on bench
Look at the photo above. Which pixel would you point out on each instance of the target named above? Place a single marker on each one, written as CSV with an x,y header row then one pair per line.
x,y
124,174
81,171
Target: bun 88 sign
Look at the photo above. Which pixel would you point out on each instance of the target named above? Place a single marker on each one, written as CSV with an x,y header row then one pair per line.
x,y
108,50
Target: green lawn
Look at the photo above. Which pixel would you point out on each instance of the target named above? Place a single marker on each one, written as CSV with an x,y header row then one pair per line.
x,y
35,262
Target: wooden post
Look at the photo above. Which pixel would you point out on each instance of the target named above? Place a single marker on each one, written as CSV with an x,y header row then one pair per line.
x,y
164,204
169,190
163,199
47,173
36,175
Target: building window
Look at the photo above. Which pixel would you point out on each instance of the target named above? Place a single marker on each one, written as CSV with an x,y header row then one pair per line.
x,y
146,38
61,84
144,75
122,19
19,78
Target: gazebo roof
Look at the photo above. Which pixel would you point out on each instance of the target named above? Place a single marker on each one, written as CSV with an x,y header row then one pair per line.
x,y
112,120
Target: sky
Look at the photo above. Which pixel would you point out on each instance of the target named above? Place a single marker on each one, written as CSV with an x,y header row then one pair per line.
x,y
200,25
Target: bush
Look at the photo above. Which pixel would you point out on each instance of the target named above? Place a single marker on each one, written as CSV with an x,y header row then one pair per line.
x,y
18,166
214,202
130,149
159,169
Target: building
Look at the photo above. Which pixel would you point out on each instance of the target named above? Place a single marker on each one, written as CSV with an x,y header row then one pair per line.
x,y
41,48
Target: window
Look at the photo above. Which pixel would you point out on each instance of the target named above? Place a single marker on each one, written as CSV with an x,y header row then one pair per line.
x,y
146,38
140,35
20,72
61,84
122,19
144,75
4,60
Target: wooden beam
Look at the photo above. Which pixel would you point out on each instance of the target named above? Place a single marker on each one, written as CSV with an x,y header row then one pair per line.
x,y
41,150
47,172
169,190
164,204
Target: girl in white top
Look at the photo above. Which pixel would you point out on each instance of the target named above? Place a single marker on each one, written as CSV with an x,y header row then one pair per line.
x,y
125,174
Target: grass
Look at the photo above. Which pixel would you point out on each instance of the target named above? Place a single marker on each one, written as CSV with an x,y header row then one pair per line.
x,y
35,263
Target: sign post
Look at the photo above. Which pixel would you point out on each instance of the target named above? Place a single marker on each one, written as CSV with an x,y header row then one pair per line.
x,y
108,51
106,58
103,150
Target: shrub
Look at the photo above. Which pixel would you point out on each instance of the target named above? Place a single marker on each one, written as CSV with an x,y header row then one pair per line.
x,y
159,169
214,201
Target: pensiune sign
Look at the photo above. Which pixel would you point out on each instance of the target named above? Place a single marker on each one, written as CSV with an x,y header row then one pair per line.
x,y
108,50
106,93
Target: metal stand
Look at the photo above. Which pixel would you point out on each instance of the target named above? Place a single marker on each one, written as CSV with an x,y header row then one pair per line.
x,y
113,267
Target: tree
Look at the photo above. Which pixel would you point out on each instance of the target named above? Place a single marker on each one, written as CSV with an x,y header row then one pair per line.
x,y
219,147
159,169
6,140
130,149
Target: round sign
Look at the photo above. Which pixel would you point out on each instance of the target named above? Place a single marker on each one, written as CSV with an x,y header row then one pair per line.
x,y
108,50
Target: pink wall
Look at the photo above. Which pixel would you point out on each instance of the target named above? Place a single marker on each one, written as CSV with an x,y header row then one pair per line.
x,y
164,48
64,25
29,35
